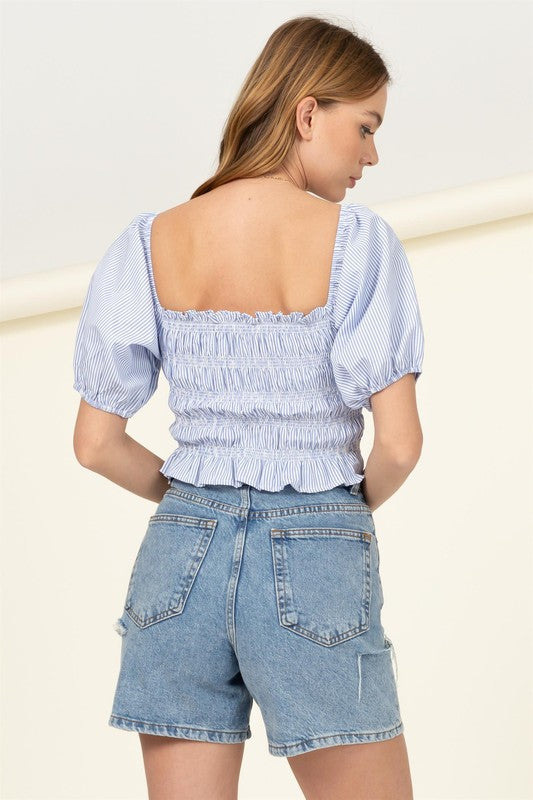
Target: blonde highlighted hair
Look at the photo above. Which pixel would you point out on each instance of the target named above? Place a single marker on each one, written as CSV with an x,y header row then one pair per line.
x,y
307,55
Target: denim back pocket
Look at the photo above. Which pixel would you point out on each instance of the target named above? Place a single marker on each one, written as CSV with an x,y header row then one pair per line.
x,y
323,581
167,563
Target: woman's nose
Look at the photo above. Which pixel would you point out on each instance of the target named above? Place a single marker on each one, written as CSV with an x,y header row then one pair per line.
x,y
373,158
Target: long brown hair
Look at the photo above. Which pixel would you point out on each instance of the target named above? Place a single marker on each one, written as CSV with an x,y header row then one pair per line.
x,y
307,55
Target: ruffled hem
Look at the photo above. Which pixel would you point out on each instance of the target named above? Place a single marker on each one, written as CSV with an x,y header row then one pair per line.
x,y
201,468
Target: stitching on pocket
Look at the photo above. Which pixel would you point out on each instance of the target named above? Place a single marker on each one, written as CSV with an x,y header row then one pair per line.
x,y
323,581
167,563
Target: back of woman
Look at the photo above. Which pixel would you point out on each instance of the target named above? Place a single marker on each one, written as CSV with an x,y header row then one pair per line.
x,y
277,314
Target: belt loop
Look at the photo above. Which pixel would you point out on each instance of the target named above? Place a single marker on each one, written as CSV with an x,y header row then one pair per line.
x,y
245,496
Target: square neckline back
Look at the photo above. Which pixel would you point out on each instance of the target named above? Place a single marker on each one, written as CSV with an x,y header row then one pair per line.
x,y
204,316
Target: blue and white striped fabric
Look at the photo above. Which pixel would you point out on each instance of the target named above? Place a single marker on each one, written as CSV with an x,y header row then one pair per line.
x,y
269,400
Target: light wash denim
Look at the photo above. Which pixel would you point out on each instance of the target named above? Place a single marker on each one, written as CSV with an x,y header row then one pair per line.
x,y
239,594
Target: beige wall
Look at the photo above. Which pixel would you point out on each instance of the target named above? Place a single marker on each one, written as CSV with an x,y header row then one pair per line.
x,y
455,541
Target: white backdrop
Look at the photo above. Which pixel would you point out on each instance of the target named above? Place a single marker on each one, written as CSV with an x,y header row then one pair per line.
x,y
115,108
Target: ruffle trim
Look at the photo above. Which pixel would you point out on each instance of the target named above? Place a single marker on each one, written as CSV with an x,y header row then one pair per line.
x,y
223,315
307,475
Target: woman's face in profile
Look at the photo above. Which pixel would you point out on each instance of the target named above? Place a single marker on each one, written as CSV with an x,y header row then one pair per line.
x,y
338,143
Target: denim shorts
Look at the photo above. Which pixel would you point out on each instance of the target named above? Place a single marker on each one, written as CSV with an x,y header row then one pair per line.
x,y
238,594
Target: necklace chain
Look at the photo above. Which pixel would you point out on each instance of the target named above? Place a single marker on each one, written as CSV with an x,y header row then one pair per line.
x,y
276,178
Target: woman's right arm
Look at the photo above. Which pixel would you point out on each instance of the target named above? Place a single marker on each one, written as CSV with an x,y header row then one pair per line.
x,y
397,441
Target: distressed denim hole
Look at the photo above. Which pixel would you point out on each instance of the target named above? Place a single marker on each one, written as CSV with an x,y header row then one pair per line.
x,y
120,627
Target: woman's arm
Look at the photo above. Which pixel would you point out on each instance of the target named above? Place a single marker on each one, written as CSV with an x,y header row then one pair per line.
x,y
398,440
385,471
102,445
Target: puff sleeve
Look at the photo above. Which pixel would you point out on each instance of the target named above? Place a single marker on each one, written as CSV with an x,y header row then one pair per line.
x,y
117,358
379,336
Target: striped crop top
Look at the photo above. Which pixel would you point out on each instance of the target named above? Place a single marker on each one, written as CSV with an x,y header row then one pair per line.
x,y
268,400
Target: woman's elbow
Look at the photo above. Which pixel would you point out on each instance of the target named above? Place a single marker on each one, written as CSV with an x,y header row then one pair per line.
x,y
409,454
81,451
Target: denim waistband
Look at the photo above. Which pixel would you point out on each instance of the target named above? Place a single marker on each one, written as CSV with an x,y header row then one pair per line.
x,y
247,496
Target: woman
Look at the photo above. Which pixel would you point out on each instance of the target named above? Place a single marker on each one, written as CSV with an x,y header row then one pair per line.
x,y
277,315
